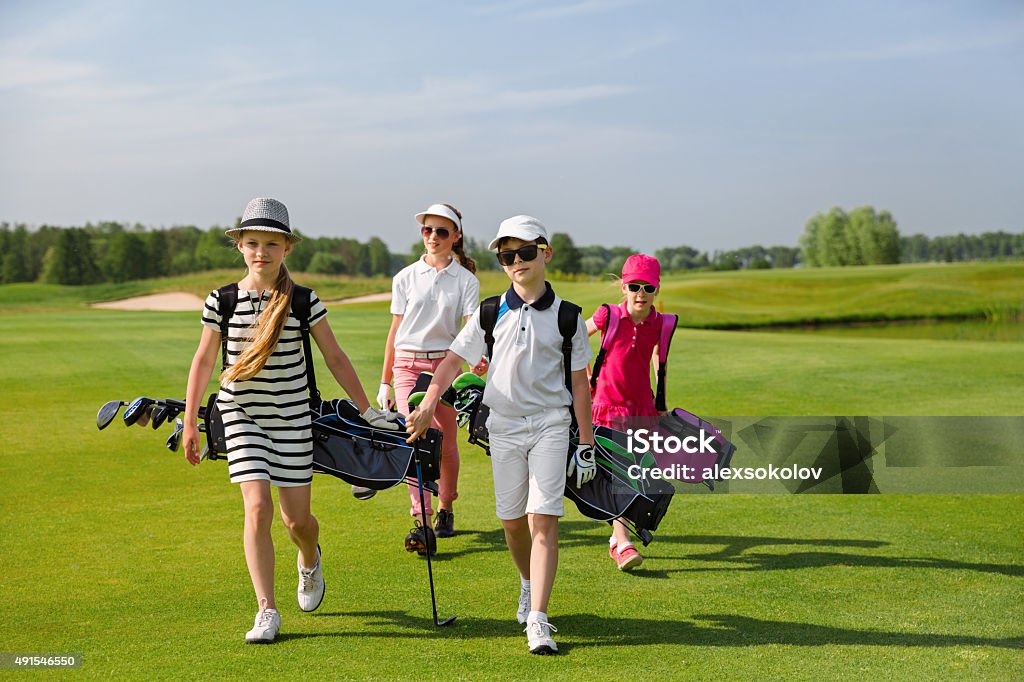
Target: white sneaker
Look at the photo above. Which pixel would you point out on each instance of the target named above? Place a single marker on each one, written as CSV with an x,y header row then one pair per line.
x,y
266,627
538,634
311,584
524,605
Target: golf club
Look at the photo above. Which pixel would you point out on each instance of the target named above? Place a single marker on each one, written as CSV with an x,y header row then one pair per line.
x,y
136,411
147,415
107,413
430,571
174,440
362,493
162,413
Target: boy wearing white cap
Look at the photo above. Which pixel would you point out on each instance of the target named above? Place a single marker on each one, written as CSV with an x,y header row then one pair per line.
x,y
529,414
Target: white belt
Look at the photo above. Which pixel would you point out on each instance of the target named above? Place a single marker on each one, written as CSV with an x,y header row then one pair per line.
x,y
421,355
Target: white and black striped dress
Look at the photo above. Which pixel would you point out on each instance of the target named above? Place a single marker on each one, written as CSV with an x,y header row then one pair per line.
x,y
266,418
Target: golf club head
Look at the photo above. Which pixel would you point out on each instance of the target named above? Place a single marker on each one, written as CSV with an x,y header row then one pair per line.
x,y
361,493
136,409
160,415
147,415
174,441
447,621
107,413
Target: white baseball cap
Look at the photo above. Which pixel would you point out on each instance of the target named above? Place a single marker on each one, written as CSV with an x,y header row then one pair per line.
x,y
442,210
524,227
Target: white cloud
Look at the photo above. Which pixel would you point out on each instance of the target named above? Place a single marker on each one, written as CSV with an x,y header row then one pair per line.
x,y
922,48
532,10
26,71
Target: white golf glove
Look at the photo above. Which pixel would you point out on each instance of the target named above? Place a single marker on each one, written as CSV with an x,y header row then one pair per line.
x,y
583,464
381,419
384,396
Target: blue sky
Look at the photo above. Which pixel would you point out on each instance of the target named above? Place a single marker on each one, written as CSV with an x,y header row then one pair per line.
x,y
642,123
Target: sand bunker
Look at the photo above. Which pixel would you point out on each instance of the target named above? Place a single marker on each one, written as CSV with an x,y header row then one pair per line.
x,y
169,302
368,298
180,301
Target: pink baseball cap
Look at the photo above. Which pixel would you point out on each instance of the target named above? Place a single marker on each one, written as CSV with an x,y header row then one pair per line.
x,y
640,266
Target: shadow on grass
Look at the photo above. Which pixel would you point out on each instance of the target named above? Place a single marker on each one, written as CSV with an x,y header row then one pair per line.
x,y
570,534
716,630
734,550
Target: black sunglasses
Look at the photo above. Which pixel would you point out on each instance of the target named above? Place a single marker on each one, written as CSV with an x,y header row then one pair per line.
x,y
648,288
526,254
441,232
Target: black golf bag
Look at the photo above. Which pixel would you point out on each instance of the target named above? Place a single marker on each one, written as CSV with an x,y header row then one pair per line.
x,y
346,446
613,493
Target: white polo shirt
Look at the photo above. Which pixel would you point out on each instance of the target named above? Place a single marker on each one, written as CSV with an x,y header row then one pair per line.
x,y
432,304
526,374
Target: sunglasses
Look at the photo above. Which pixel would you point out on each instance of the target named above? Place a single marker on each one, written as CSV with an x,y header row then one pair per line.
x,y
441,232
648,288
526,254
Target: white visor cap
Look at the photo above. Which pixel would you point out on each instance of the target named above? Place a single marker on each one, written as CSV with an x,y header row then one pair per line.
x,y
440,210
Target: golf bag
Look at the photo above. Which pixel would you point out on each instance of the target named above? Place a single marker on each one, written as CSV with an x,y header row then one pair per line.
x,y
683,424
346,446
613,493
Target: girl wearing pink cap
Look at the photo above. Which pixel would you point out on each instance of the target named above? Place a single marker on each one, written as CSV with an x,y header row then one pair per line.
x,y
623,388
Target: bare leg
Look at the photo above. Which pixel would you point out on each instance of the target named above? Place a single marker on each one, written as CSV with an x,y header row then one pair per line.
x,y
517,537
259,545
543,559
619,532
301,524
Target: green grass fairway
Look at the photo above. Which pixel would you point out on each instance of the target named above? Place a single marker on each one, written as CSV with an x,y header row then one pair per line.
x,y
116,548
753,298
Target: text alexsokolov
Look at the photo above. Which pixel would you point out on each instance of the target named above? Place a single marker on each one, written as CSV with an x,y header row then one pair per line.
x,y
642,441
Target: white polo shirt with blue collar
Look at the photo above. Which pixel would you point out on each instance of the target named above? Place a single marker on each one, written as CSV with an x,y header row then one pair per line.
x,y
525,375
432,304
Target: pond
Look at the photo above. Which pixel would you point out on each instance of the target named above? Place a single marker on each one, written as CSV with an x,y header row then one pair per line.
x,y
1011,331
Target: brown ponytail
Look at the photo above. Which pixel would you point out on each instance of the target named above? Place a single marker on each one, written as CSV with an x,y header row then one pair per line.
x,y
459,247
267,330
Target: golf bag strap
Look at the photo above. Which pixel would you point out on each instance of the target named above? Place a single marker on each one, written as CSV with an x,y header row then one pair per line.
x,y
227,298
568,313
611,326
668,328
301,304
488,319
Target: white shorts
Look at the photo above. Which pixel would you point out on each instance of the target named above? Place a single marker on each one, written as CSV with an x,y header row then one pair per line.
x,y
528,459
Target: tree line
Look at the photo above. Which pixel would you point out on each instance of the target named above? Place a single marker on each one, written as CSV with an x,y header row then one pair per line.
x,y
865,236
112,252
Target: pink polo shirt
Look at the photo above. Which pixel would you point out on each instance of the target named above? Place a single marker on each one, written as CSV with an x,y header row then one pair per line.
x,y
624,385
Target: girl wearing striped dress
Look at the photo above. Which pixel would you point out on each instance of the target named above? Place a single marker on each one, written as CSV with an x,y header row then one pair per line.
x,y
265,405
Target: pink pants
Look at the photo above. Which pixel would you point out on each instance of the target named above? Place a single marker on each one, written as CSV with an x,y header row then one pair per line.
x,y
406,370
